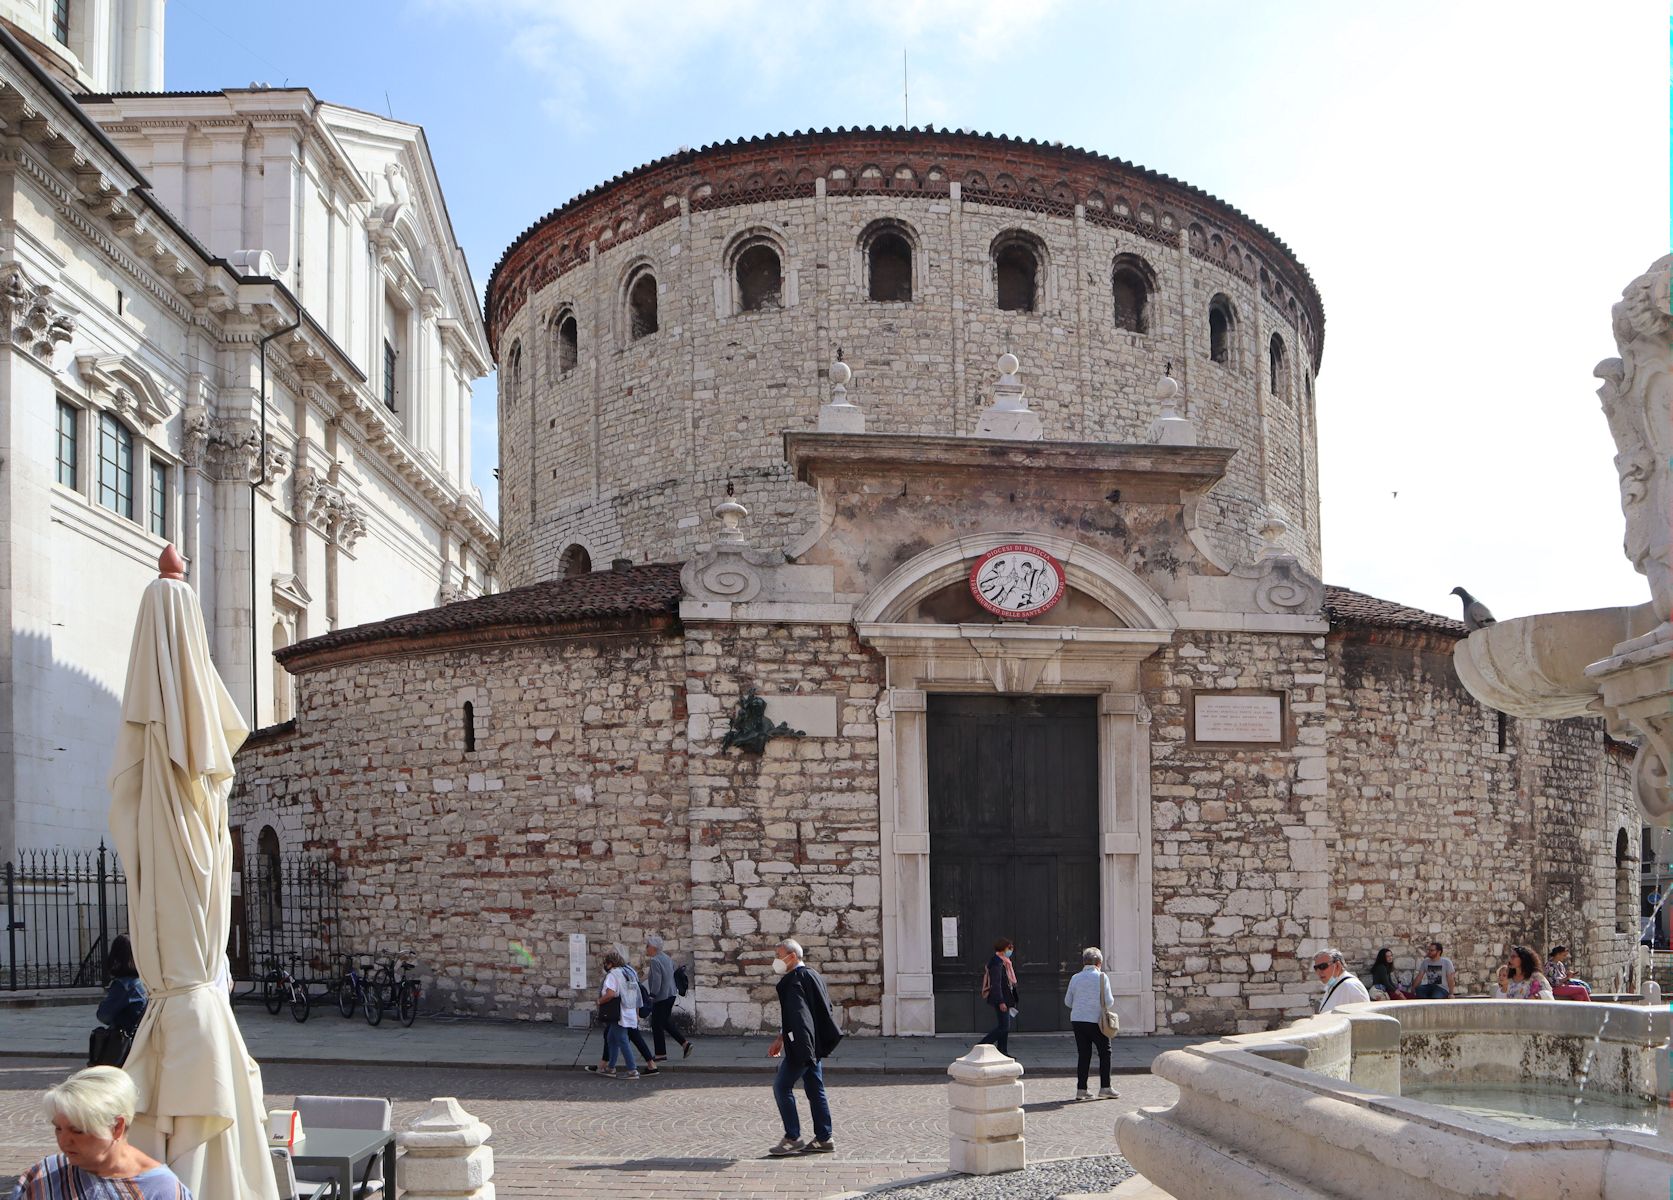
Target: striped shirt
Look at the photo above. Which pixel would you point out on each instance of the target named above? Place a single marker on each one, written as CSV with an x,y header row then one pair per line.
x,y
53,1178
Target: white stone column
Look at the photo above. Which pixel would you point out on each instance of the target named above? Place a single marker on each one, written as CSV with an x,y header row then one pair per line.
x,y
985,1124
446,1155
906,800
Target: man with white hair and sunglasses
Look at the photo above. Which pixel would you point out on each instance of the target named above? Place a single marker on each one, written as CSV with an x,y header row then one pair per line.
x,y
1341,986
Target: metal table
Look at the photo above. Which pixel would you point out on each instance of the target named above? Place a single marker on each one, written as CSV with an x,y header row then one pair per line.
x,y
345,1151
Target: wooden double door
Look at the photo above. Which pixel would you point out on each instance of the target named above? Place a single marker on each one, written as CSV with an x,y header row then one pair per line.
x,y
1014,849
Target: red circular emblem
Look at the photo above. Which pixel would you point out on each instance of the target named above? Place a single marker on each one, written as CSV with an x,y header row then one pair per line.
x,y
1017,581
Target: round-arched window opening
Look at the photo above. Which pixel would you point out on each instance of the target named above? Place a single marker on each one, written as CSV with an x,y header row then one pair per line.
x,y
1221,323
1278,362
1131,286
568,343
1016,276
574,561
641,307
890,259
760,279
269,889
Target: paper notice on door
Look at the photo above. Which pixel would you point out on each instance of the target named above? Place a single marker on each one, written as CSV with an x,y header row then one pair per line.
x,y
949,937
578,961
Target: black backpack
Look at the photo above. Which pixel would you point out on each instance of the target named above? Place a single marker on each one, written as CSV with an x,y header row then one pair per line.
x,y
682,981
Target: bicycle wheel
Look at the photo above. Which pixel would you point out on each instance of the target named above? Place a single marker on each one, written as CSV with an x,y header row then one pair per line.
x,y
271,995
374,1003
299,1001
346,999
408,1007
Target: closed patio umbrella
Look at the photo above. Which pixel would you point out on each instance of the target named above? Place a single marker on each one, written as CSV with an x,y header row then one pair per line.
x,y
200,1095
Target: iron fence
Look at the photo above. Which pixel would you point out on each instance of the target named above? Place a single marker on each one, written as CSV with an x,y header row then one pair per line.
x,y
291,915
63,908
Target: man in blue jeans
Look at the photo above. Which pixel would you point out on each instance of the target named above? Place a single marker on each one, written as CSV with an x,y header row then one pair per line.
x,y
808,1032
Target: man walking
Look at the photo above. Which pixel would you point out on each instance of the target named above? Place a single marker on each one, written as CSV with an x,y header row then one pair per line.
x,y
808,1032
660,989
1434,975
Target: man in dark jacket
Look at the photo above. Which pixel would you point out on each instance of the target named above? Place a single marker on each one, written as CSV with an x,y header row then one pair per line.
x,y
808,1032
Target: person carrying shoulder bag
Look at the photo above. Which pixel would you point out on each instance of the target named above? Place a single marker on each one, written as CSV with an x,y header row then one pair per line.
x,y
1091,1004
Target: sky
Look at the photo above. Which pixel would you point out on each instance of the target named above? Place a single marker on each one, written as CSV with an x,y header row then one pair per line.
x,y
1470,185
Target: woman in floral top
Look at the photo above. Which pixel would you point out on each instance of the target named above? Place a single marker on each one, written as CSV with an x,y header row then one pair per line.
x,y
90,1113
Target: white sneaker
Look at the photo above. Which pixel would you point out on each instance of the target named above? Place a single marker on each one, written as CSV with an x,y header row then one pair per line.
x,y
1083,1095
1108,1094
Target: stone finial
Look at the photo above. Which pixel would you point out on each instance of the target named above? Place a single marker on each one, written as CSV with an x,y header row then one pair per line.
x,y
985,1125
1009,416
170,565
731,515
841,415
1170,428
446,1155
1272,533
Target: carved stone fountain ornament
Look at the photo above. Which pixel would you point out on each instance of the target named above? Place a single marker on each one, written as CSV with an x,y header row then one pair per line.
x,y
1614,661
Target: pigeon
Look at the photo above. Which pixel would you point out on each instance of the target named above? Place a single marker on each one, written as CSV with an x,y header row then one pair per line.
x,y
1476,615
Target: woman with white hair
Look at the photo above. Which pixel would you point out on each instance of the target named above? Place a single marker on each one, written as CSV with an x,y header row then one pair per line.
x,y
1088,997
90,1113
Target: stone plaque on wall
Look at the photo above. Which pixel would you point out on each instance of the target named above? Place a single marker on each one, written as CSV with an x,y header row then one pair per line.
x,y
1239,717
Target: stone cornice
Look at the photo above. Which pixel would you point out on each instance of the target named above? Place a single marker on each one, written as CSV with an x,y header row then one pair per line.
x,y
579,629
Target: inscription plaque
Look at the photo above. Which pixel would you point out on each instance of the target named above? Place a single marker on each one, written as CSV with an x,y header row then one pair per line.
x,y
1237,718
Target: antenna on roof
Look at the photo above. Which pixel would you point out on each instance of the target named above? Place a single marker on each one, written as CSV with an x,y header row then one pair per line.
x,y
387,106
905,96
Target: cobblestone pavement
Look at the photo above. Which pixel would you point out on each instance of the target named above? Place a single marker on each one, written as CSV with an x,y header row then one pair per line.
x,y
564,1135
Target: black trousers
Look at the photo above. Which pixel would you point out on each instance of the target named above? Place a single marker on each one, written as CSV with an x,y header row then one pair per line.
x,y
1088,1035
662,1025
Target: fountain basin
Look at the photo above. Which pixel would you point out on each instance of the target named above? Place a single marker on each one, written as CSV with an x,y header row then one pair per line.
x,y
1316,1109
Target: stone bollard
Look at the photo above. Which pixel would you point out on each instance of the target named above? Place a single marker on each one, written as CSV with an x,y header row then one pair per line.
x,y
986,1120
446,1156
1652,994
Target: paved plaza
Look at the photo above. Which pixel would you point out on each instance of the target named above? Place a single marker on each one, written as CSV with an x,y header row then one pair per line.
x,y
563,1135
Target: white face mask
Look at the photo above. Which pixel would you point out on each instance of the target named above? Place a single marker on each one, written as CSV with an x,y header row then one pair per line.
x,y
780,966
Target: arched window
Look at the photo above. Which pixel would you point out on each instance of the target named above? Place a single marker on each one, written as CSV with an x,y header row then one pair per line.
x,y
1626,889
513,376
1132,283
116,466
760,279
470,727
641,305
1222,321
889,265
574,561
566,343
1278,360
1016,273
281,677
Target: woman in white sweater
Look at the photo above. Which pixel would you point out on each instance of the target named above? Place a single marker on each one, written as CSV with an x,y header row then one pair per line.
x,y
1088,996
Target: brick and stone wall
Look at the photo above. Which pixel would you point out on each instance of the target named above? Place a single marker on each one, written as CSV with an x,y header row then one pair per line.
x,y
624,452
1445,833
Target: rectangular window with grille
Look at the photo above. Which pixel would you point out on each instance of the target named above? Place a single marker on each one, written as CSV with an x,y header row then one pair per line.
x,y
116,466
388,376
67,416
61,20
159,498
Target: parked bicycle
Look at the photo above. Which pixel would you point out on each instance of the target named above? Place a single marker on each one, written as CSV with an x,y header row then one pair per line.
x,y
357,989
385,990
281,986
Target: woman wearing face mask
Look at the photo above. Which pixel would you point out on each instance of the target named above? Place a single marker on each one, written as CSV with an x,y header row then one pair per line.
x,y
999,988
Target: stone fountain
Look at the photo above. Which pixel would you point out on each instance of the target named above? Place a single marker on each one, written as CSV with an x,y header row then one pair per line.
x,y
1478,1098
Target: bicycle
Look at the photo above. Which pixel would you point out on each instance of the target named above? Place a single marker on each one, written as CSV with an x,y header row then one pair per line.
x,y
408,990
281,986
355,990
384,990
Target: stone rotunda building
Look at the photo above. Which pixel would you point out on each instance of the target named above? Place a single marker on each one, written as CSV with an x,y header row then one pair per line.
x,y
1007,623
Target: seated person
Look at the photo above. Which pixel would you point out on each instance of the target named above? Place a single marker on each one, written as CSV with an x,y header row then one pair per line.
x,y
1563,985
1521,978
1435,978
1383,979
124,1002
90,1113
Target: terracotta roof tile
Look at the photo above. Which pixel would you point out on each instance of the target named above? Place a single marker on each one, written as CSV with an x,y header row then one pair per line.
x,y
651,589
1346,607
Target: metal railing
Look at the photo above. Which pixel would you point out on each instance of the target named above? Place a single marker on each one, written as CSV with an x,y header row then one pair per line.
x,y
291,914
63,907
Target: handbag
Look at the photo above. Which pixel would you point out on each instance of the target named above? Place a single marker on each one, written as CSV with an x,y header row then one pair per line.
x,y
108,1046
1109,1021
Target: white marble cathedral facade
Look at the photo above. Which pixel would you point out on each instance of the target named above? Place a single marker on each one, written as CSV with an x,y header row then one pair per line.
x,y
236,321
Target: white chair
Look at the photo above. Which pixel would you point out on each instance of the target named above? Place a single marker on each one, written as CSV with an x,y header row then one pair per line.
x,y
345,1112
290,1188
